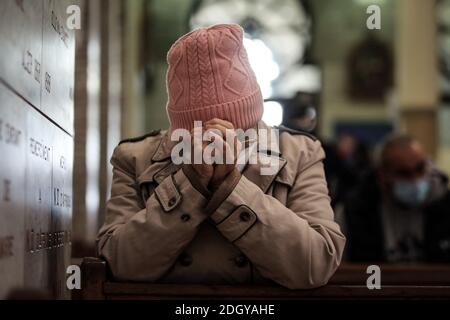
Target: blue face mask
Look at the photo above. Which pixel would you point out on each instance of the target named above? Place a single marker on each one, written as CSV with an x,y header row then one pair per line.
x,y
413,194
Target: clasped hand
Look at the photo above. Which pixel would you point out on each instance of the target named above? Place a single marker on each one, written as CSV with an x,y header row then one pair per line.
x,y
222,134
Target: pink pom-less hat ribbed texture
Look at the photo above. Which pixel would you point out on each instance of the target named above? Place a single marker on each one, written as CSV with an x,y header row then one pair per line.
x,y
209,76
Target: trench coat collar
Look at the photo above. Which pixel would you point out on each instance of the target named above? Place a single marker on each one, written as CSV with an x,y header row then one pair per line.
x,y
164,148
161,165
267,152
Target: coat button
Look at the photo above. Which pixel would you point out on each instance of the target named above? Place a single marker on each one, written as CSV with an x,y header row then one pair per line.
x,y
241,261
172,201
245,216
185,259
185,217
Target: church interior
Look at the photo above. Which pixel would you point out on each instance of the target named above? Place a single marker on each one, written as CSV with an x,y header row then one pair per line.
x,y
77,77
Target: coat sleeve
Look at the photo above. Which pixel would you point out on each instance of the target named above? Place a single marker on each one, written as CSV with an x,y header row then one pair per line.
x,y
141,241
298,245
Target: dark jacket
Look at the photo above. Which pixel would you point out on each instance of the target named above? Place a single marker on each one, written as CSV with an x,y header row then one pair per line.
x,y
364,224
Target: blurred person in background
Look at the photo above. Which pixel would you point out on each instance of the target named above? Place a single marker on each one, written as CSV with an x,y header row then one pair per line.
x,y
401,211
347,160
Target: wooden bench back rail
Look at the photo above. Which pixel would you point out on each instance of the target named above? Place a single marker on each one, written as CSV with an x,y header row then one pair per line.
x,y
349,282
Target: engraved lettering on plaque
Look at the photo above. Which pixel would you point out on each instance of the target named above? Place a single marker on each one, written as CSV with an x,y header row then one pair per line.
x,y
9,134
62,163
39,150
6,190
12,135
59,28
37,71
48,82
6,247
61,199
39,241
28,62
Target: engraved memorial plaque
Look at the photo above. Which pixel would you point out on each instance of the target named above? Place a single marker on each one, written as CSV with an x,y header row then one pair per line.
x,y
21,47
12,196
49,206
58,64
61,209
39,258
37,60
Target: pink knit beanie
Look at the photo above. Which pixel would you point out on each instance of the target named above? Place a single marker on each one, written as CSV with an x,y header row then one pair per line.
x,y
210,77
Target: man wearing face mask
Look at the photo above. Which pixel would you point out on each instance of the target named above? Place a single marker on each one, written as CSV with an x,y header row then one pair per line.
x,y
401,211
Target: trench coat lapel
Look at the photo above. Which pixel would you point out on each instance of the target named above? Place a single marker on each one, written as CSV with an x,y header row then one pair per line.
x,y
267,153
161,165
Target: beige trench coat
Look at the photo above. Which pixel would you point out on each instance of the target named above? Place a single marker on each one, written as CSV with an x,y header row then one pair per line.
x,y
161,226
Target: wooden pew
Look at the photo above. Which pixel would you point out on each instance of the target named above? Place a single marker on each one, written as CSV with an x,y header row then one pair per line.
x,y
349,282
394,274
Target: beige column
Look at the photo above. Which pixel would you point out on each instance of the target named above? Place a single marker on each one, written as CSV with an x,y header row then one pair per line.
x,y
98,116
111,95
133,113
417,70
87,135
